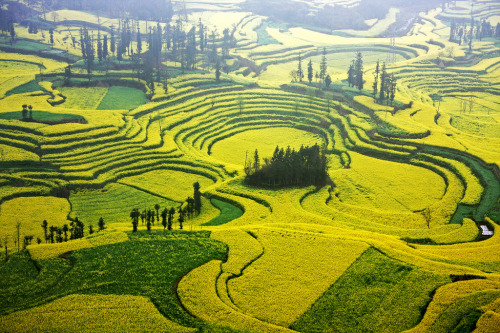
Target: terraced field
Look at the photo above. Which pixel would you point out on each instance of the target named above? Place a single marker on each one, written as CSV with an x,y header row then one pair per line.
x,y
403,236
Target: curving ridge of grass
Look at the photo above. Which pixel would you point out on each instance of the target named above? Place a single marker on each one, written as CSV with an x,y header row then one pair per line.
x,y
228,212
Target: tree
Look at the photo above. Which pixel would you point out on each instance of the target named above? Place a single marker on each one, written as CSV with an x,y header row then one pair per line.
x,y
351,75
148,225
52,230
256,161
392,89
18,231
190,207
197,197
225,43
44,226
181,216
24,113
12,30
164,215
134,215
112,44
375,81
191,49
217,71
148,72
100,224
358,68
30,109
453,29
383,79
323,66
27,241
51,34
201,35
65,229
157,208
170,221
300,72
328,80
105,47
427,216
310,71
59,232
91,230
99,48
139,42
67,75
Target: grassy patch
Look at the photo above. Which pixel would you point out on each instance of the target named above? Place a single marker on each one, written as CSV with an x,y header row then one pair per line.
x,y
25,88
149,265
43,116
113,203
228,212
122,98
176,185
83,98
376,294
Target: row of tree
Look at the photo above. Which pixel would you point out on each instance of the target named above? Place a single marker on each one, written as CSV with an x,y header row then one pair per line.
x,y
186,210
54,234
307,166
7,20
298,74
160,43
462,32
384,85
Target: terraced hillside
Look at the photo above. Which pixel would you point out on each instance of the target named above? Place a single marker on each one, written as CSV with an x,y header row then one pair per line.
x,y
402,238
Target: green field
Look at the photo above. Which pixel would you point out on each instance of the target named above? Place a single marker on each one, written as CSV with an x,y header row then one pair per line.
x,y
228,212
395,227
118,98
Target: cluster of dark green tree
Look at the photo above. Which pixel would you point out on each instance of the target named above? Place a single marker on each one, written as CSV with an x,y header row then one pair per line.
x,y
159,43
185,211
355,72
307,166
321,75
384,85
7,20
462,32
54,234
32,27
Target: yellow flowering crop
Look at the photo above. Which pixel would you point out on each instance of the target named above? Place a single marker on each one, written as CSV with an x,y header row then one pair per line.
x,y
92,313
197,292
293,272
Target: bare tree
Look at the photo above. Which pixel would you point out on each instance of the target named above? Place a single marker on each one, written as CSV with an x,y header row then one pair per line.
x,y
18,229
427,216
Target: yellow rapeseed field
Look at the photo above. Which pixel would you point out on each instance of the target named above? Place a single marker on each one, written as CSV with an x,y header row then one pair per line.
x,y
92,313
293,272
30,212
